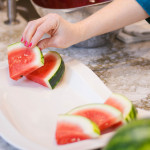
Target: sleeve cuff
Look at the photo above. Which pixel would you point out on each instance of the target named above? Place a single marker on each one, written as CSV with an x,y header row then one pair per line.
x,y
148,20
145,4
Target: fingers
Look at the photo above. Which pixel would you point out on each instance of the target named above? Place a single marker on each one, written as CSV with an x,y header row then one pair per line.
x,y
41,30
30,30
50,24
54,41
36,29
45,43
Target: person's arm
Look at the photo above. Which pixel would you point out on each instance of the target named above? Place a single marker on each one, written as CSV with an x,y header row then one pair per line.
x,y
115,15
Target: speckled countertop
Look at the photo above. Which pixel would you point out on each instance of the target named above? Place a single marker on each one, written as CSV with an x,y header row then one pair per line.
x,y
125,69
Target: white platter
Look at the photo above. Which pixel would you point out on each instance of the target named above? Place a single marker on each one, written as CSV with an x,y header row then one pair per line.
x,y
28,111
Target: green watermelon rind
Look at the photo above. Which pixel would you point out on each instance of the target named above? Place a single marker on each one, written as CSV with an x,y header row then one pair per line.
x,y
42,57
55,78
20,45
133,136
88,126
132,113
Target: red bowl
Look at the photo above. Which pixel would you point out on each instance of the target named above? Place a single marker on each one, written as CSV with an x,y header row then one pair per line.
x,y
66,4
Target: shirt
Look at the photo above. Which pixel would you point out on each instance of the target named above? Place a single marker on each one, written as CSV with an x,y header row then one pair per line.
x,y
146,6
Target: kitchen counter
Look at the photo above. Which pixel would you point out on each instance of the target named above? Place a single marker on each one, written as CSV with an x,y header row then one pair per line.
x,y
125,69
9,33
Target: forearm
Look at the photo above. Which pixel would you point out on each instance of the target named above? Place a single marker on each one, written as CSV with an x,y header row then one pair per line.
x,y
116,15
63,34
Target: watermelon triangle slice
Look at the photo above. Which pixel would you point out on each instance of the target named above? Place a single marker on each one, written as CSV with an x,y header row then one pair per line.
x,y
71,128
23,60
103,115
50,74
124,105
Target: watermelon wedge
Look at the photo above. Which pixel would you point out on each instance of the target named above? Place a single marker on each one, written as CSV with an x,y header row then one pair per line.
x,y
72,129
50,74
124,105
103,115
23,60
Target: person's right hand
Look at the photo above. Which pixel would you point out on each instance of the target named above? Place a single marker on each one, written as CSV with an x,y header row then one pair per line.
x,y
62,33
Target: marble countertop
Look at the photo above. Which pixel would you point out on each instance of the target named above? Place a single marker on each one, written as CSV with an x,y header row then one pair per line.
x,y
124,68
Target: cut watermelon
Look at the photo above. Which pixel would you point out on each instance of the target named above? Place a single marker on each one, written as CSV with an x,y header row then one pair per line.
x,y
23,60
50,74
124,105
103,115
72,128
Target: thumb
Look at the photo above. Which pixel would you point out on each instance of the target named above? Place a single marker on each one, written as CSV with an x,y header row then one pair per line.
x,y
47,42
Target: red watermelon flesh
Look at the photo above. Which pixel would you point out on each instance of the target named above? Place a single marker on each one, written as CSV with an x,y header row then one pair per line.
x,y
112,128
40,74
102,119
72,129
103,115
65,135
69,137
23,60
112,101
52,71
124,105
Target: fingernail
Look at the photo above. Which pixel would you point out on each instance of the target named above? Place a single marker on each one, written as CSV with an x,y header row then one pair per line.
x,y
22,39
30,45
26,43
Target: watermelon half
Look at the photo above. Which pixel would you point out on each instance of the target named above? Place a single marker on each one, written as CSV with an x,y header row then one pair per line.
x,y
50,74
124,105
23,60
103,115
72,129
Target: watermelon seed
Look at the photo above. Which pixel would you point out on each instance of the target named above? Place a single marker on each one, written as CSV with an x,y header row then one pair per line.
x,y
73,140
25,55
25,61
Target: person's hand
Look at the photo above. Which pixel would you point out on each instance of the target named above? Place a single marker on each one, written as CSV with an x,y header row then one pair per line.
x,y
62,33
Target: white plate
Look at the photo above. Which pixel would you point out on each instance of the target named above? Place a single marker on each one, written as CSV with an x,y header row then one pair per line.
x,y
29,111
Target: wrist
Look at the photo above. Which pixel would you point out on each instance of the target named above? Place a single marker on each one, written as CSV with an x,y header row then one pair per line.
x,y
85,29
80,32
